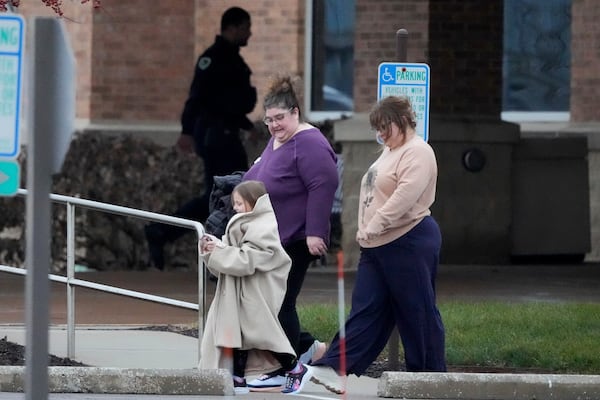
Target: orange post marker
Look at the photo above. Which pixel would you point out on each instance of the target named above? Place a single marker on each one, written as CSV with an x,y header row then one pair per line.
x,y
340,259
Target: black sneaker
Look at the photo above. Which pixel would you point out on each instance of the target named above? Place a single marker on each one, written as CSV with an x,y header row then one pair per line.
x,y
240,387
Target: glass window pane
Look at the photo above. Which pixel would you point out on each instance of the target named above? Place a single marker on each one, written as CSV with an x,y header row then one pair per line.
x,y
332,55
537,55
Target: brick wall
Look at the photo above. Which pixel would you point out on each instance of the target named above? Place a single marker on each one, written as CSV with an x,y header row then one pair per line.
x,y
144,56
277,42
377,22
78,23
465,56
141,59
135,58
461,40
585,61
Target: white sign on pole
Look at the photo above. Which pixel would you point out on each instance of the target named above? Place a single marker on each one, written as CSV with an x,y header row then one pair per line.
x,y
11,66
410,80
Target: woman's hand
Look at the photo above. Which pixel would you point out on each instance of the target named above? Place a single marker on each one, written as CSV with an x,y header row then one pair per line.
x,y
364,236
316,245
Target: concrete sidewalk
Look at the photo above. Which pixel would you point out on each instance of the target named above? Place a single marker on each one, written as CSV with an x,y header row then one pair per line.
x,y
127,360
119,346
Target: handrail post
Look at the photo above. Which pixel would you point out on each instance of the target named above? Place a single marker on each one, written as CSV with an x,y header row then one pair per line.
x,y
71,283
394,341
201,293
70,276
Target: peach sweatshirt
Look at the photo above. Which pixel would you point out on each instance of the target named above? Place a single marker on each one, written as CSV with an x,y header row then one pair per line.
x,y
396,192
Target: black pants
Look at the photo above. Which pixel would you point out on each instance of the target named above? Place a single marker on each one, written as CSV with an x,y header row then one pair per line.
x,y
240,358
288,316
335,235
222,157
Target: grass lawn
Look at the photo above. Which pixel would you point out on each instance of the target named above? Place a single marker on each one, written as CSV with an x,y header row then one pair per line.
x,y
553,337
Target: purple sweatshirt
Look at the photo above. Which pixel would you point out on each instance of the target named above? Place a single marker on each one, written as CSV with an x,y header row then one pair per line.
x,y
301,178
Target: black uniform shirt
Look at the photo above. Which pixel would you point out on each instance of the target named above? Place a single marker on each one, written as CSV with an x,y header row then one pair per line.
x,y
221,94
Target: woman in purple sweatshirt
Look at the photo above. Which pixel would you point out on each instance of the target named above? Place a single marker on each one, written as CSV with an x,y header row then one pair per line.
x,y
298,168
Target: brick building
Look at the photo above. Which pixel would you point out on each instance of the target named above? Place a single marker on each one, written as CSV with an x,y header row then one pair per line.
x,y
135,60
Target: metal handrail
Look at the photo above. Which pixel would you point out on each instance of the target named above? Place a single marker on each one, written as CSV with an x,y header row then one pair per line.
x,y
71,282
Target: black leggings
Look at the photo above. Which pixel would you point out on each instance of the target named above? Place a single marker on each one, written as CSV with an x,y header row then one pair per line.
x,y
288,316
240,358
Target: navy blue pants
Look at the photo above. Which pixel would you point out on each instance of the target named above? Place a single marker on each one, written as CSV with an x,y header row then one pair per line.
x,y
395,286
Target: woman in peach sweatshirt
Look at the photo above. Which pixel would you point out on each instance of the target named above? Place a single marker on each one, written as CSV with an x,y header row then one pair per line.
x,y
400,245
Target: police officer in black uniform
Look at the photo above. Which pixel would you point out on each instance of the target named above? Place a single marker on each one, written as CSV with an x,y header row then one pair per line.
x,y
214,114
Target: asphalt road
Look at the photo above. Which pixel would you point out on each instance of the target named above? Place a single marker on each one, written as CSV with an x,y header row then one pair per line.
x,y
518,283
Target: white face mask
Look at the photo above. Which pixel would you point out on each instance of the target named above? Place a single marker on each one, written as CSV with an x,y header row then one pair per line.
x,y
379,139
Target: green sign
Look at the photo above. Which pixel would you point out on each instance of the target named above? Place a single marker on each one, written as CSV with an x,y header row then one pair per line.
x,y
9,177
11,65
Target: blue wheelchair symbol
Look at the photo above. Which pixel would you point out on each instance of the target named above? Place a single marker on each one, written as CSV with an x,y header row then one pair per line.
x,y
387,76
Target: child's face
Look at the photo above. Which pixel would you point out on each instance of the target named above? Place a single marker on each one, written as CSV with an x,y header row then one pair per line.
x,y
239,204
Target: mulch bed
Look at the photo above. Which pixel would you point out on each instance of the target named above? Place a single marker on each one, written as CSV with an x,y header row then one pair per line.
x,y
14,354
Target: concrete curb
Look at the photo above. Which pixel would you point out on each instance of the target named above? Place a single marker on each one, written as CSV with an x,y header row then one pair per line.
x,y
473,386
124,381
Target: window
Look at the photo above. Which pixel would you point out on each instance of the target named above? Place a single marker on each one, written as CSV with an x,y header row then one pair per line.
x,y
329,61
537,57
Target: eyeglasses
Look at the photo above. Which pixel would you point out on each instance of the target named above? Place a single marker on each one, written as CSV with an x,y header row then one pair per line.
x,y
276,118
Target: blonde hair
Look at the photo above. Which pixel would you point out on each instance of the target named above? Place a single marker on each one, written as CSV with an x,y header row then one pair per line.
x,y
250,191
284,92
396,109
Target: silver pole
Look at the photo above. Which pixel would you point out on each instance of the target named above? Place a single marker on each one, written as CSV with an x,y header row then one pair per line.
x,y
70,277
51,115
201,300
37,286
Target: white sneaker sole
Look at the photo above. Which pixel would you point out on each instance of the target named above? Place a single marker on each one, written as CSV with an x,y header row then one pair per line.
x,y
325,376
331,388
241,390
266,389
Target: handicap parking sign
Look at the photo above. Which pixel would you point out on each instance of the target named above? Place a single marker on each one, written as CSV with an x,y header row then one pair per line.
x,y
11,66
410,80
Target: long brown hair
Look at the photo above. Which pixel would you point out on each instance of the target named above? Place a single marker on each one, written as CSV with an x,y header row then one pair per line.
x,y
250,191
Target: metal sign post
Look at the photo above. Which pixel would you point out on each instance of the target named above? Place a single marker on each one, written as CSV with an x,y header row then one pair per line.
x,y
51,113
